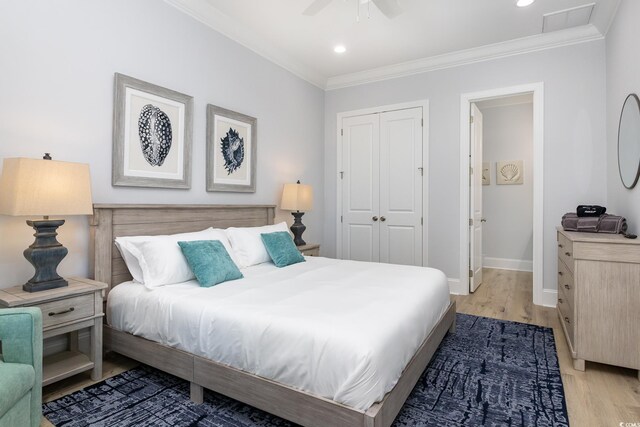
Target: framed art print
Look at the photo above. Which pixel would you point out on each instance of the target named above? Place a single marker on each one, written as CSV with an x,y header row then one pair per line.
x,y
231,150
152,132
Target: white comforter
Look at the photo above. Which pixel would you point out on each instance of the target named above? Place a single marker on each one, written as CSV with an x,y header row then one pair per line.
x,y
343,330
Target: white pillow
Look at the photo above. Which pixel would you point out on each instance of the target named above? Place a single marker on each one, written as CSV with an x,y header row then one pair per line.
x,y
158,260
129,259
247,243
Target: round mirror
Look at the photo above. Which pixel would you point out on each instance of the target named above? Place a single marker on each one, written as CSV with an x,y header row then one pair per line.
x,y
629,142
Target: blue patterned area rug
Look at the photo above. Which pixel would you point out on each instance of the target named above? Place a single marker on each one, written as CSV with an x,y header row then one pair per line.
x,y
489,373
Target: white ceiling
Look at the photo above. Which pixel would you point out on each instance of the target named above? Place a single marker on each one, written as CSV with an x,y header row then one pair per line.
x,y
430,34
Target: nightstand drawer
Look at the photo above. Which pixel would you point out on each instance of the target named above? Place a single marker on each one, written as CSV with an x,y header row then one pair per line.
x,y
310,249
311,252
67,310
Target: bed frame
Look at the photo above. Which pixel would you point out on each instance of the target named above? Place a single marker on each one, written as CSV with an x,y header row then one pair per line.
x,y
111,221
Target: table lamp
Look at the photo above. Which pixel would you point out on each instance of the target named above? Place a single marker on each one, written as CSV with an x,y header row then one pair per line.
x,y
297,198
33,187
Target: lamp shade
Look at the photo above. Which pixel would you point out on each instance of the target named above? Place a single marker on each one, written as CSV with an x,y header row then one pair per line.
x,y
297,197
34,187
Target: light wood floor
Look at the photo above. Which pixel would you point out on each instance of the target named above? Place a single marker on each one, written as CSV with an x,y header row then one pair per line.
x,y
600,397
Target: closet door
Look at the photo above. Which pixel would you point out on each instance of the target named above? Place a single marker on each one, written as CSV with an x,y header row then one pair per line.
x,y
360,192
401,177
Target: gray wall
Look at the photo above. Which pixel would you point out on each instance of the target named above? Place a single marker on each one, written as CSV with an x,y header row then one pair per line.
x,y
57,96
508,135
574,104
623,78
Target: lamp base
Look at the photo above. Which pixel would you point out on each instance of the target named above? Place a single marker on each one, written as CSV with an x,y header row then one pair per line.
x,y
297,228
45,254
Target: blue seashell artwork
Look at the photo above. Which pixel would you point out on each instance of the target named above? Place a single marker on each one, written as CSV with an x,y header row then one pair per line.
x,y
232,151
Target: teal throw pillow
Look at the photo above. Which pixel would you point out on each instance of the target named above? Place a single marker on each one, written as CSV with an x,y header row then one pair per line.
x,y
281,248
210,262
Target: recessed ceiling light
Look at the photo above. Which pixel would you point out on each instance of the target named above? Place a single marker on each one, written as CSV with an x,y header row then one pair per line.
x,y
524,3
340,49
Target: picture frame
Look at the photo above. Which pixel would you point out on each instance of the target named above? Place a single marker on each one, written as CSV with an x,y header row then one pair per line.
x,y
231,150
152,135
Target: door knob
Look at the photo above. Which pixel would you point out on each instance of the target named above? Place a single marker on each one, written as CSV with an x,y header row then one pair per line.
x,y
383,219
375,218
483,220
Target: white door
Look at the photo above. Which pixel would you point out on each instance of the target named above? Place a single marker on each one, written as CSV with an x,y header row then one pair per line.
x,y
382,187
401,187
475,214
360,188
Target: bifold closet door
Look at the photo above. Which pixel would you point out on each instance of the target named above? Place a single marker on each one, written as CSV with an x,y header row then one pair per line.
x,y
401,187
360,188
382,187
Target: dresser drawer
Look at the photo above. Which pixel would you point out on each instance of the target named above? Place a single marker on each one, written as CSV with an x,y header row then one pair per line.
x,y
67,310
565,251
566,283
565,312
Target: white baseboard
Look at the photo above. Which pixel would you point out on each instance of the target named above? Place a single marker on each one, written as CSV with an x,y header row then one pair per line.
x,y
507,264
549,298
455,287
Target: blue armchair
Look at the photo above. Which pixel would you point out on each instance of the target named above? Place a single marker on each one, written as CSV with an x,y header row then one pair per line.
x,y
20,367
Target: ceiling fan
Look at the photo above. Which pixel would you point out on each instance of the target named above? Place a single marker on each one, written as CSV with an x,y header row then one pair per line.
x,y
390,8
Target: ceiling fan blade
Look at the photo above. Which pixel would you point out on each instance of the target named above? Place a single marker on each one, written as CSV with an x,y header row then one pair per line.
x,y
390,8
316,7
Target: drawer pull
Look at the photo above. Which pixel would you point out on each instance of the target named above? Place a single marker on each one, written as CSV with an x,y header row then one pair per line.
x,y
567,287
61,312
560,245
566,319
559,273
567,253
560,300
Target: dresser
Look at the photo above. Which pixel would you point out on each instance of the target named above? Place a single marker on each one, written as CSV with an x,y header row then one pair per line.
x,y
66,310
599,297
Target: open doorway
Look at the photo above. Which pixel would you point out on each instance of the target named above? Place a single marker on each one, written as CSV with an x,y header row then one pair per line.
x,y
473,218
501,193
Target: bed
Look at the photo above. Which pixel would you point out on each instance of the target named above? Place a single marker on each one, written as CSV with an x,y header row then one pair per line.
x,y
238,372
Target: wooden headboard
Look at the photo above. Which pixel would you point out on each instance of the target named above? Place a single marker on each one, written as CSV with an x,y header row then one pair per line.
x,y
111,221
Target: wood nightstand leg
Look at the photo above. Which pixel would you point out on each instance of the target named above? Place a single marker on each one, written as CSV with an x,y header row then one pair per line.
x,y
196,393
73,341
578,365
96,350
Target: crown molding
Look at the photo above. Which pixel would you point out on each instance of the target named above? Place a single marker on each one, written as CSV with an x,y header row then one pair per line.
x,y
519,46
204,12
212,17
612,18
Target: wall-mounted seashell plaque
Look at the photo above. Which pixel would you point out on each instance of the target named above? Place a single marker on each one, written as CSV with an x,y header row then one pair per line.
x,y
510,172
486,173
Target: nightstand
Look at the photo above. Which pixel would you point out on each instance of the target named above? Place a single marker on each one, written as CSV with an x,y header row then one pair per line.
x,y
310,249
66,311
